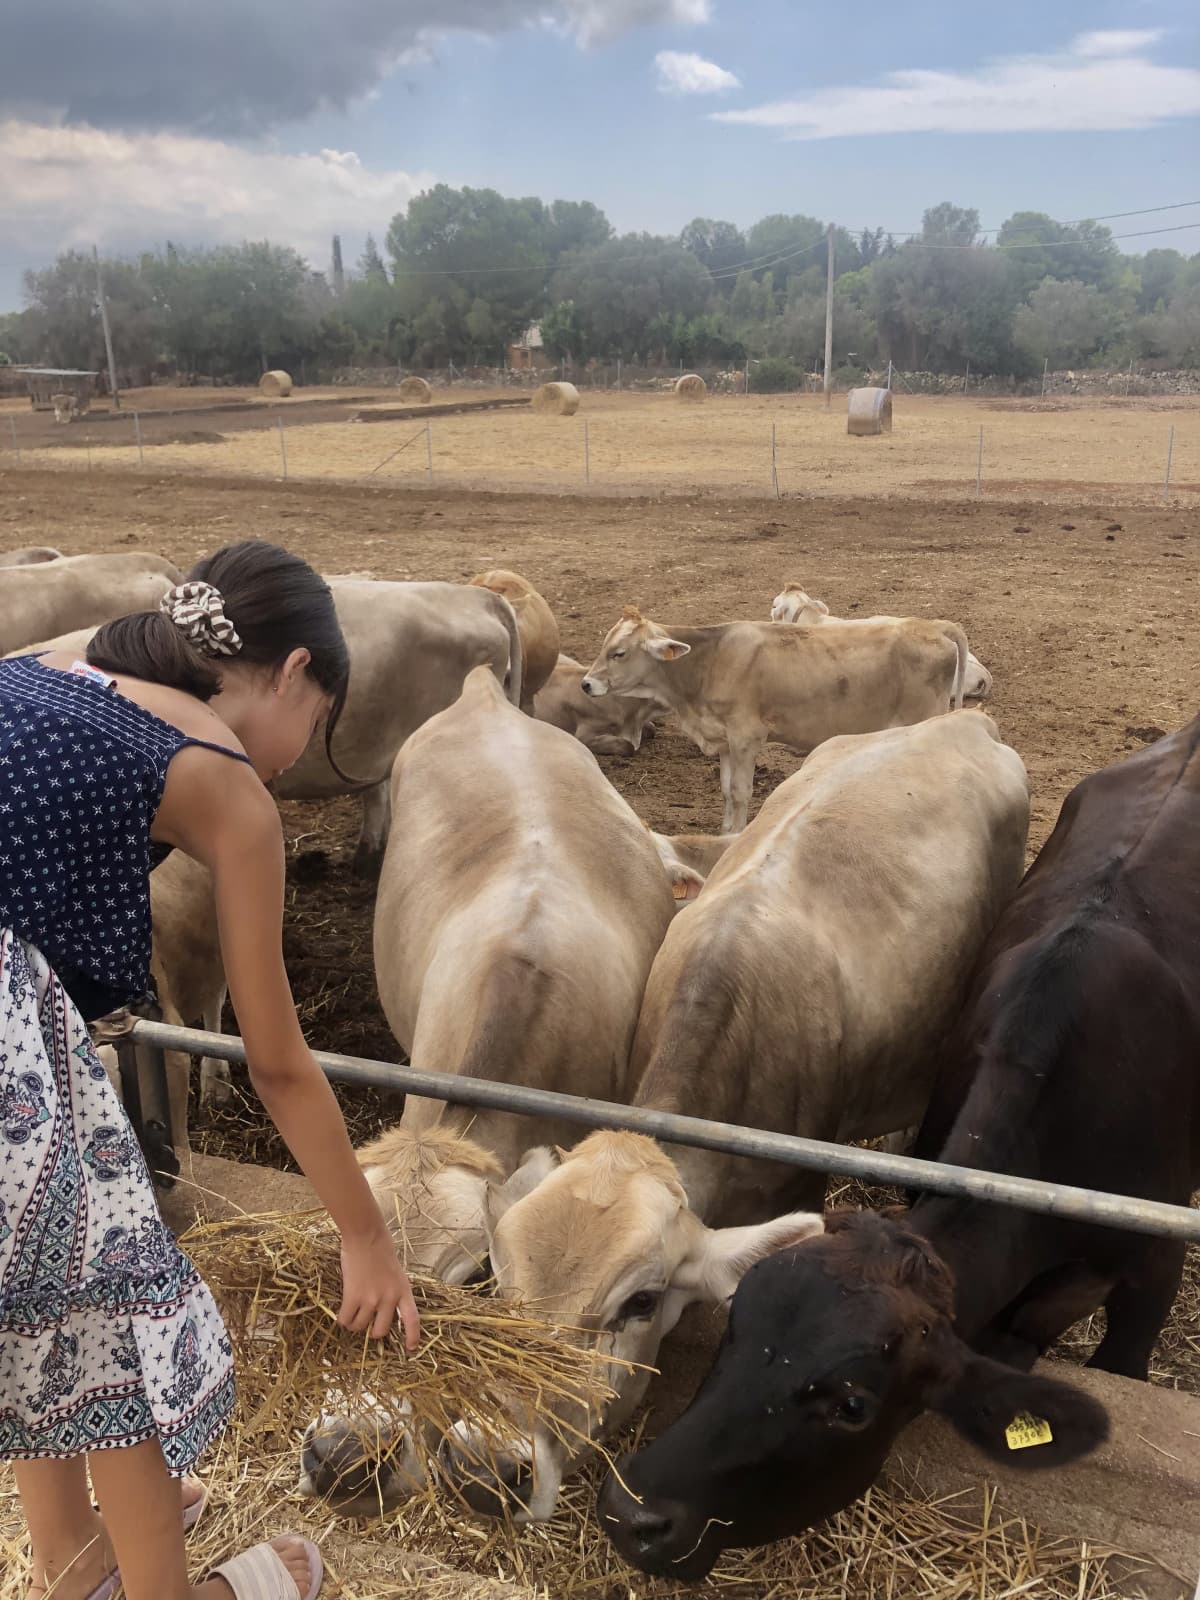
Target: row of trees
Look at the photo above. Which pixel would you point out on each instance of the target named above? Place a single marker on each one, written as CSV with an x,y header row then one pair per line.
x,y
465,271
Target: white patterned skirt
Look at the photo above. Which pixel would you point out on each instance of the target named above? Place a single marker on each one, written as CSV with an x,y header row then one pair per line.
x,y
108,1337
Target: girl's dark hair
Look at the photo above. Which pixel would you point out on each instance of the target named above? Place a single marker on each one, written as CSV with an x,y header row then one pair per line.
x,y
274,600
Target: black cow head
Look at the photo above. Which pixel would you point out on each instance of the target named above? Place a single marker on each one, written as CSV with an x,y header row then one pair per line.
x,y
832,1347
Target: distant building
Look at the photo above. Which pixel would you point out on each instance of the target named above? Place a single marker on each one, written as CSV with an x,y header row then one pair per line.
x,y
526,351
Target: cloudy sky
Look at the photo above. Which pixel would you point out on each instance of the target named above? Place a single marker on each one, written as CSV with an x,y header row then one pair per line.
x,y
128,122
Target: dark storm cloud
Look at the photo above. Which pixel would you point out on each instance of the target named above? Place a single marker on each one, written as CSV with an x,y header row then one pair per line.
x,y
233,67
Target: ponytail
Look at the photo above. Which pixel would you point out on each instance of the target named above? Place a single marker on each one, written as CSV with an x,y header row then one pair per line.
x,y
148,645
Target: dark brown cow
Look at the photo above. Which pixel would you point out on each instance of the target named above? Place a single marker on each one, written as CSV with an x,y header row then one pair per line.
x,y
1076,1061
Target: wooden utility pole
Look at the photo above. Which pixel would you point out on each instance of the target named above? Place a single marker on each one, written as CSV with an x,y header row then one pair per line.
x,y
112,365
829,322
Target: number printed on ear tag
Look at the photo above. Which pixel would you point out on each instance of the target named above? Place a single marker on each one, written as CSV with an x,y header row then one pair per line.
x,y
1024,1431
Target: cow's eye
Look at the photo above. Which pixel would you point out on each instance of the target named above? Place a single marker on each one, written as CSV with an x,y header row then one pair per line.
x,y
853,1411
617,654
640,1307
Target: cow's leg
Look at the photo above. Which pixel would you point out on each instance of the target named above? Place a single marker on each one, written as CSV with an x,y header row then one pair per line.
x,y
609,744
377,813
1137,1306
214,1075
737,783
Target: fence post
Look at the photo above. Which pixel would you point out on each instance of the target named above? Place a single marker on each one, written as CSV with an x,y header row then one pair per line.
x,y
1045,370
618,372
12,423
587,458
979,464
774,468
1129,375
282,449
428,453
137,429
1170,453
967,378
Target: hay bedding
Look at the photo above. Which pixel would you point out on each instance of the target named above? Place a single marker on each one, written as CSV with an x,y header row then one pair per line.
x,y
277,1279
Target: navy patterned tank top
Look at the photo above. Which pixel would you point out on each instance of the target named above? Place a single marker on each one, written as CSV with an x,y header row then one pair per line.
x,y
82,770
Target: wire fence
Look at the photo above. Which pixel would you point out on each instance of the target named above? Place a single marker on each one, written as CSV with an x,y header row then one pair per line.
x,y
1090,448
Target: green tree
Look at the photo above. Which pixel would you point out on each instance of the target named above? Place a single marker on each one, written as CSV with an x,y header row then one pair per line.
x,y
717,246
622,287
563,332
950,224
1041,248
1065,323
937,309
370,263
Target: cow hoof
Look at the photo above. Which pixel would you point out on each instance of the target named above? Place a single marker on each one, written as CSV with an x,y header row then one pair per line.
x,y
216,1086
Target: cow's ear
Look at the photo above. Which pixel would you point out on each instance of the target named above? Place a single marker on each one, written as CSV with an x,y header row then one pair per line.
x,y
819,605
536,1164
1023,1419
721,1257
686,883
666,649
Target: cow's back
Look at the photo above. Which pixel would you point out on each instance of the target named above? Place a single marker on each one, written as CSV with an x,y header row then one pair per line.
x,y
833,939
519,893
38,602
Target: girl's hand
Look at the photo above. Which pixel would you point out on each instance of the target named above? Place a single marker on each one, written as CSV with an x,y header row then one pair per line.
x,y
375,1289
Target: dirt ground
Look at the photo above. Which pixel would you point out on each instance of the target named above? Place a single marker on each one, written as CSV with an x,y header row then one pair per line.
x,y
1106,451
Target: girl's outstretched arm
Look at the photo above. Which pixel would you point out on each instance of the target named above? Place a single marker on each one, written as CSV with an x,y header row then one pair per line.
x,y
219,812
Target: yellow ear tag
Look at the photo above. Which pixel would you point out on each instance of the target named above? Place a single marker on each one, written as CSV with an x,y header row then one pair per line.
x,y
679,889
1024,1431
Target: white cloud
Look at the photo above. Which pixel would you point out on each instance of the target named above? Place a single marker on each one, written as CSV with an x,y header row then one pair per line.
x,y
600,21
1116,41
1102,81
684,72
72,186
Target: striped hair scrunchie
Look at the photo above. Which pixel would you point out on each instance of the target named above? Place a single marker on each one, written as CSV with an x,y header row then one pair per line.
x,y
198,611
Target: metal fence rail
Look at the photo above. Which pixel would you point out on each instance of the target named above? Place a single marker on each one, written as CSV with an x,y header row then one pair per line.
x,y
1051,1199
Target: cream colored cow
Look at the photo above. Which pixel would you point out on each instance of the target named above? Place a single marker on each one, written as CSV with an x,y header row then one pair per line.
x,y
520,905
793,604
411,646
48,598
535,624
612,726
29,555
805,991
736,685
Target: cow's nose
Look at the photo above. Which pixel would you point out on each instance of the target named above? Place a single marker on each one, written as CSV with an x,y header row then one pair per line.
x,y
495,1488
586,685
651,1529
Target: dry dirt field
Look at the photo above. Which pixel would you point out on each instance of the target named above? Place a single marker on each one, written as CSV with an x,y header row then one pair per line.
x,y
1088,615
1105,451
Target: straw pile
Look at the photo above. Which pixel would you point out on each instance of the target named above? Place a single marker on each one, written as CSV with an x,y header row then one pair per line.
x,y
276,385
556,399
277,1280
869,412
415,390
690,387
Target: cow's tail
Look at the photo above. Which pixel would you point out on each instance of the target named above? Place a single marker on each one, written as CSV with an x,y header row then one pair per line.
x,y
516,659
953,631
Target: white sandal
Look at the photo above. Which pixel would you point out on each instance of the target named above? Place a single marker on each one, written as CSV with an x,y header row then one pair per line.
x,y
259,1574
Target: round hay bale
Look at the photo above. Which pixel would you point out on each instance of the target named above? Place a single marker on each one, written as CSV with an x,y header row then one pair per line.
x,y
690,387
556,399
276,384
416,390
869,411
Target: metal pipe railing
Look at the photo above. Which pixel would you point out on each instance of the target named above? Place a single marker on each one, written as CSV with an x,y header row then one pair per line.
x,y
876,1166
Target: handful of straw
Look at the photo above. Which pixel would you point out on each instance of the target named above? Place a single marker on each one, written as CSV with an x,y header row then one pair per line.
x,y
277,1278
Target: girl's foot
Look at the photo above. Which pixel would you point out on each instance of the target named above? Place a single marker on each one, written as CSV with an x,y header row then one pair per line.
x,y
91,1569
290,1550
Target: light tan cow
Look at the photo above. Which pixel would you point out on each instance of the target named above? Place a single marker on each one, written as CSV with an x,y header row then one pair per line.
x,y
793,604
29,555
535,624
805,991
612,726
189,976
736,685
520,905
688,858
411,646
54,597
